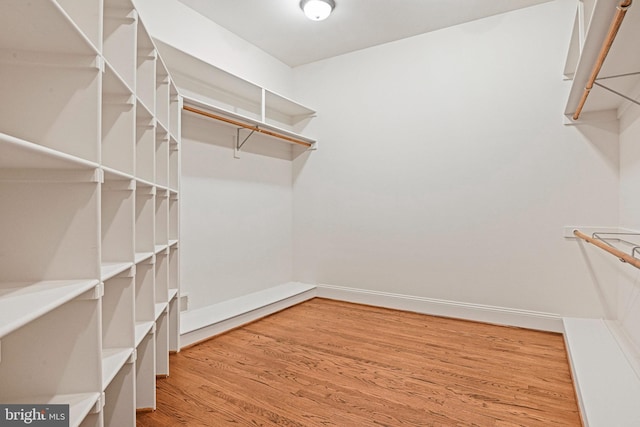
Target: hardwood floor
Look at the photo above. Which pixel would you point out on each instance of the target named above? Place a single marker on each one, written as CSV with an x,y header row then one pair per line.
x,y
329,363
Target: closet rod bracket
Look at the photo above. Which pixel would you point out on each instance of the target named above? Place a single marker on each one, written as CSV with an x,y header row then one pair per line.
x,y
237,145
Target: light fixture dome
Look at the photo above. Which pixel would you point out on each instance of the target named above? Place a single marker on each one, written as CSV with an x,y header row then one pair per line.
x,y
317,10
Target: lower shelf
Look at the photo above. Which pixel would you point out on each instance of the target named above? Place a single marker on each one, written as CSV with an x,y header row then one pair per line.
x,y
141,331
112,361
607,386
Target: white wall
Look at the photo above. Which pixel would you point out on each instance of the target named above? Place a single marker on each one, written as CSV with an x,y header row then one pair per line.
x,y
236,215
180,26
444,169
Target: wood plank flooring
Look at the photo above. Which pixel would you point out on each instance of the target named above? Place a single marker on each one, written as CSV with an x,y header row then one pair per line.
x,y
330,363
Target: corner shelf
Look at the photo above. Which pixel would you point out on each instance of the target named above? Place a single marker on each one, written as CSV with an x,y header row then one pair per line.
x,y
583,52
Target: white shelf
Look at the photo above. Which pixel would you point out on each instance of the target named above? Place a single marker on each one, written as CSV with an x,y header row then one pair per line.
x,y
173,242
142,329
112,361
161,248
208,107
112,269
160,308
172,294
21,303
618,61
111,174
143,256
80,404
45,28
608,388
20,154
206,86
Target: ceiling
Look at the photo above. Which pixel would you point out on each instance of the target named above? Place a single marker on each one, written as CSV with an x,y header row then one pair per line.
x,y
280,28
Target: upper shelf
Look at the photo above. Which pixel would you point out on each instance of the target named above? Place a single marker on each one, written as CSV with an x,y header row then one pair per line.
x,y
621,66
45,28
18,153
209,85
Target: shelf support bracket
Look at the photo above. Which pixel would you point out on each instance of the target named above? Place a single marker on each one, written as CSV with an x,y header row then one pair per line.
x,y
237,146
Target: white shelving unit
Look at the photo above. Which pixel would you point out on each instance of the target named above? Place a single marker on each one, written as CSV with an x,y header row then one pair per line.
x,y
620,70
213,90
89,181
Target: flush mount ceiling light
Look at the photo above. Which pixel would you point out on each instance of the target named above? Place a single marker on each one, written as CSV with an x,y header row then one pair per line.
x,y
317,10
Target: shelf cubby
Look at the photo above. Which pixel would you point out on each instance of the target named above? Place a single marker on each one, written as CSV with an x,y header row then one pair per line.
x,y
162,277
146,69
145,144
118,320
43,89
174,164
87,17
118,123
49,223
117,224
145,220
119,35
162,94
174,205
175,110
162,157
162,344
119,409
44,366
162,219
144,298
146,373
174,299
49,27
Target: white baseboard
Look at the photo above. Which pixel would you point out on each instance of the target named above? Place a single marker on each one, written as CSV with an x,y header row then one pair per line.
x,y
459,310
203,323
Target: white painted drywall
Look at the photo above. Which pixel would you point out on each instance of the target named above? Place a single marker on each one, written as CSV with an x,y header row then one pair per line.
x,y
444,169
236,215
180,26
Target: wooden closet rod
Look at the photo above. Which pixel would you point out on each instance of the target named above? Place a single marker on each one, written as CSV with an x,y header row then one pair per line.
x,y
604,51
246,126
618,253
